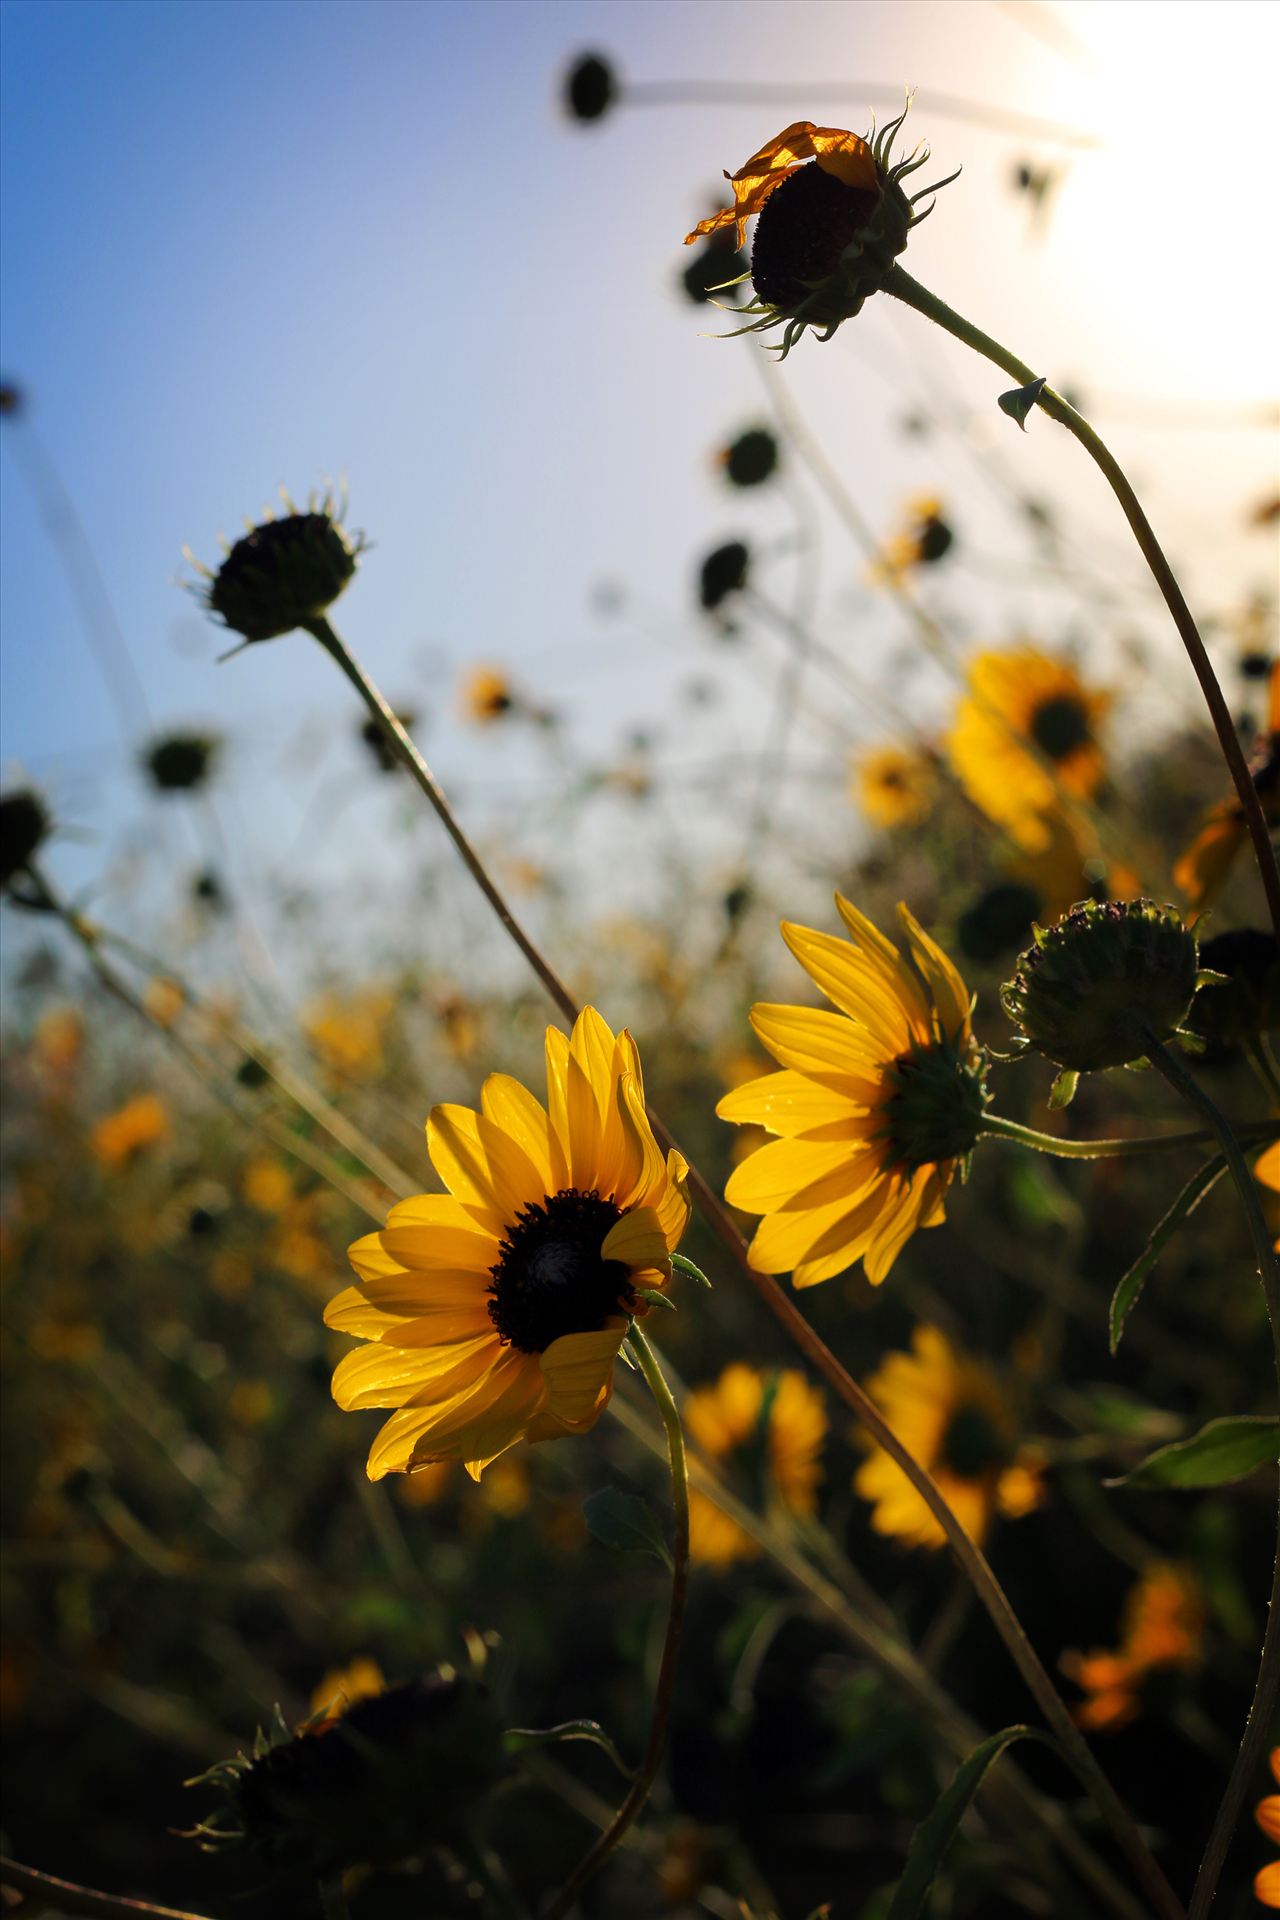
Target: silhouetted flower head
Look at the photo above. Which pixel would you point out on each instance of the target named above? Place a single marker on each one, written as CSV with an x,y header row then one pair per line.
x,y
1246,1002
998,921
723,572
24,826
590,88
751,459
180,762
284,573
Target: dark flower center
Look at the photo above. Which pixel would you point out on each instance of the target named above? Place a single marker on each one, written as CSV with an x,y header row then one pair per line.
x,y
802,230
972,1443
934,539
549,1278
1060,726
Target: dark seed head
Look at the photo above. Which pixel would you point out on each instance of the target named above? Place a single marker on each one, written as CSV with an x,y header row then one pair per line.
x,y
1060,727
590,89
803,228
550,1279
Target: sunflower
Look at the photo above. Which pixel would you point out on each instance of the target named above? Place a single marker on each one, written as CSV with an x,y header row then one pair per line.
x,y
923,537
951,1414
138,1124
1266,1882
874,1107
833,217
895,786
494,1312
1162,1628
486,695
774,1423
1022,695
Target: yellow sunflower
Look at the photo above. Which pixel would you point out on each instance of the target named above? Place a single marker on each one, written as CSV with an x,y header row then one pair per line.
x,y
120,1136
776,1422
951,1414
895,786
922,538
494,1312
1266,1882
1163,1626
874,1106
1022,695
486,695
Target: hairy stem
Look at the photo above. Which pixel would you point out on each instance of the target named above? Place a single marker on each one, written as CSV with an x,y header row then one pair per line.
x,y
664,1693
1001,1129
901,285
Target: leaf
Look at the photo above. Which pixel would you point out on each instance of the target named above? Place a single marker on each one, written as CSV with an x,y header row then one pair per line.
x,y
1126,1295
626,1523
933,1837
684,1266
1221,1453
1063,1090
656,1298
525,1739
1018,403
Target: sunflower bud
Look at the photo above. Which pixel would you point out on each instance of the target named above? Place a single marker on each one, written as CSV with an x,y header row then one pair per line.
x,y
396,1770
24,825
284,573
1095,987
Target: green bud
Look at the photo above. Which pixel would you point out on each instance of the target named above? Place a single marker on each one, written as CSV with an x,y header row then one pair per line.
x,y
284,573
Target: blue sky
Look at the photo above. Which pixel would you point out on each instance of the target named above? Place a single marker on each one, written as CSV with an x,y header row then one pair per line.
x,y
254,243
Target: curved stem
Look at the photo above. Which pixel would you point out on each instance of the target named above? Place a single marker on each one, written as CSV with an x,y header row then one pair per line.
x,y
901,285
65,1896
1143,1864
1267,1686
664,1693
1001,1129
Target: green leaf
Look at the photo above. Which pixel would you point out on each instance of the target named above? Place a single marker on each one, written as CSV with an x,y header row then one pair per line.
x,y
626,1523
1125,1297
1063,1090
684,1266
525,1739
1020,401
933,1837
656,1298
1223,1452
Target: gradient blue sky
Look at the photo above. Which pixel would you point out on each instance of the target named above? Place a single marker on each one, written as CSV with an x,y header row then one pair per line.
x,y
250,243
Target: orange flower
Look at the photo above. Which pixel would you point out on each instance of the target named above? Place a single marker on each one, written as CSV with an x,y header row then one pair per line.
x,y
842,154
1266,1884
1163,1626
138,1124
1203,868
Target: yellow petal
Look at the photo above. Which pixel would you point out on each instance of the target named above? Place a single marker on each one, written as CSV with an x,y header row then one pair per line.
x,y
825,1046
441,1249
1266,1884
1267,1815
637,1239
351,1311
380,1376
950,995
886,1007
780,1174
523,1119
578,1370
838,152
786,1103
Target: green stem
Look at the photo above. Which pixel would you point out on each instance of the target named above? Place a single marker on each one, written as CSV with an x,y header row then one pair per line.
x,y
1145,1867
901,285
1001,1129
664,1693
1267,1686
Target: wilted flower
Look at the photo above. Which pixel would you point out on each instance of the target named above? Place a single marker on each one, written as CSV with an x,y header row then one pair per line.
x,y
1017,698
953,1417
769,1427
1163,1628
1091,989
283,573
493,1313
876,1106
833,217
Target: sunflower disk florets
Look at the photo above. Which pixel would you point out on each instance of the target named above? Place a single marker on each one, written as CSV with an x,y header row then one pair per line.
x,y
284,573
1096,987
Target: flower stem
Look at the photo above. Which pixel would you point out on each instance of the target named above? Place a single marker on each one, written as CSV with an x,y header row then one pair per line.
x,y
65,1896
1001,1129
901,285
1267,1686
664,1693
1146,1869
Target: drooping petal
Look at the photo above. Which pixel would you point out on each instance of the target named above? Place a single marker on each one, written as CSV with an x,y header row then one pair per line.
x,y
638,1239
841,153
578,1370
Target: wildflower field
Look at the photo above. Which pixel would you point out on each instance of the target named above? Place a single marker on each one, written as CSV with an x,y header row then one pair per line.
x,y
639,1230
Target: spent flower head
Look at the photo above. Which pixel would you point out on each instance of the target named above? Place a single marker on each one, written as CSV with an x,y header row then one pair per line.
x,y
285,572
180,762
833,217
1096,987
25,825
